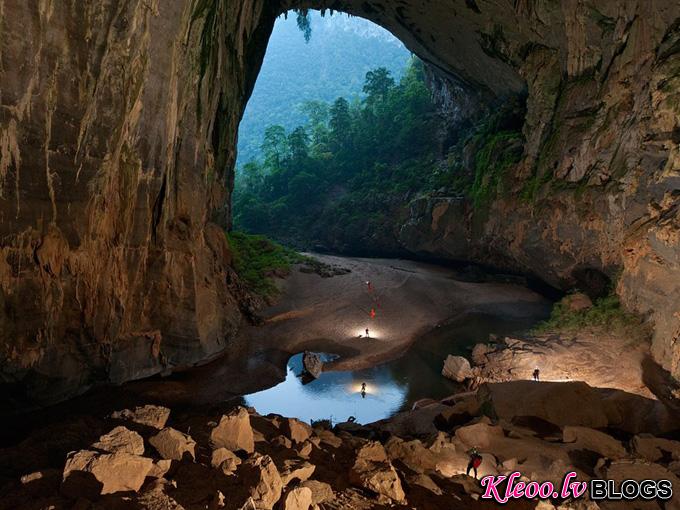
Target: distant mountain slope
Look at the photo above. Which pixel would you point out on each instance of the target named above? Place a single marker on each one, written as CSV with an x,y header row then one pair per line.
x,y
334,63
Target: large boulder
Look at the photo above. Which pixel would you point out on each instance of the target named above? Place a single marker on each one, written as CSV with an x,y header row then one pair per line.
x,y
261,480
416,423
121,439
312,364
160,468
321,491
299,498
234,432
576,403
480,434
594,440
479,352
225,460
172,444
372,470
563,403
296,430
412,454
149,416
424,481
457,368
296,469
656,448
328,438
92,473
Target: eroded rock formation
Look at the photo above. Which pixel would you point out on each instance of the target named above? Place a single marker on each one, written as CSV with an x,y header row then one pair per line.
x,y
117,136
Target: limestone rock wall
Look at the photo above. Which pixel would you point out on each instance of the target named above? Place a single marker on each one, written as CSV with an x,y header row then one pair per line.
x,y
598,186
113,261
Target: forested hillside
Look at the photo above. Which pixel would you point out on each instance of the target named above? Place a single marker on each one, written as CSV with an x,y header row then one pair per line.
x,y
332,63
335,181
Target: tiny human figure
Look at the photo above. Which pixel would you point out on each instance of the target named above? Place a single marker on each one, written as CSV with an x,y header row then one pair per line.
x,y
363,390
367,334
536,374
372,313
475,461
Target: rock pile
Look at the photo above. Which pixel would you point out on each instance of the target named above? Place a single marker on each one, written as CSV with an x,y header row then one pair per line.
x,y
418,459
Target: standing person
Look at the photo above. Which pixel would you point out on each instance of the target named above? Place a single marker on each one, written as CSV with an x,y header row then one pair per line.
x,y
367,334
537,374
475,461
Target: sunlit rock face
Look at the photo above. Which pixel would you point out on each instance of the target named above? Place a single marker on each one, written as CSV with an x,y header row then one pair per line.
x,y
117,138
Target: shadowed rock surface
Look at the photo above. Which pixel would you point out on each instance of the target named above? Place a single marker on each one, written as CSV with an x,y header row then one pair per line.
x,y
349,466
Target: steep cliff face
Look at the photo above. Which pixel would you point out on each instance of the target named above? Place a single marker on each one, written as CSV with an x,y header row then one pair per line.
x,y
597,189
112,263
117,132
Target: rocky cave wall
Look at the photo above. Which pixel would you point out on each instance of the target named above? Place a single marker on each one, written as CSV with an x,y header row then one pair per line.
x,y
117,135
113,259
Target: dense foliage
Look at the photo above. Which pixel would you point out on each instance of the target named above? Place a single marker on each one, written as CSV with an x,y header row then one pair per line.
x,y
332,63
606,316
340,177
257,260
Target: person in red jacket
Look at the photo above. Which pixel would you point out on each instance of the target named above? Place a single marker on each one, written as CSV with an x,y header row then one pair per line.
x,y
475,461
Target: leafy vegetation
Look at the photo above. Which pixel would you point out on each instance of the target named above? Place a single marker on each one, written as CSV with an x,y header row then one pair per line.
x,y
333,63
606,315
257,260
341,176
496,145
499,152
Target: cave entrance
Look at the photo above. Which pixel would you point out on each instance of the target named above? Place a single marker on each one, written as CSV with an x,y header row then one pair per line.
x,y
339,132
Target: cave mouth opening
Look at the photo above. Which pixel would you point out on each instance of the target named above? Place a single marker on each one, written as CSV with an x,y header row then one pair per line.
x,y
340,131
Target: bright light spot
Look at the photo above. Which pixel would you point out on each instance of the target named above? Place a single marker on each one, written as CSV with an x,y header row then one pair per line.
x,y
371,389
374,334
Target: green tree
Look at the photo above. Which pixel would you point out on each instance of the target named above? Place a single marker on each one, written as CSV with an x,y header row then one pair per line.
x,y
298,144
316,111
253,177
274,147
340,123
344,177
378,84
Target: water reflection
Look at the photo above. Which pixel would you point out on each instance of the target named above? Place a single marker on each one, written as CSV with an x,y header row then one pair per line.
x,y
391,387
334,395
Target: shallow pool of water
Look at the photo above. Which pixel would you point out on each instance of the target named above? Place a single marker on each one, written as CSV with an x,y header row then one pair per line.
x,y
391,387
